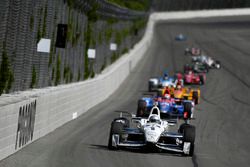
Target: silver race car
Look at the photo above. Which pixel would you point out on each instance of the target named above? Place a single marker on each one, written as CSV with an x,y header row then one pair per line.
x,y
209,61
151,134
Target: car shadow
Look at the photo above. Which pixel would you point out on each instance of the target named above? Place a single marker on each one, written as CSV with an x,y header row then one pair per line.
x,y
136,150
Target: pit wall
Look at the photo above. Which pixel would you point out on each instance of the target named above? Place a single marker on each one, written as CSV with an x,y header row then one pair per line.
x,y
29,115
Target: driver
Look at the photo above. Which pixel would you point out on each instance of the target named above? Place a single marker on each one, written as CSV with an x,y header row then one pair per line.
x,y
155,119
165,76
166,91
178,87
167,96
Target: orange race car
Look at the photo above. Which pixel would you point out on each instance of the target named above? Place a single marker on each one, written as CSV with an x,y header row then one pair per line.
x,y
182,93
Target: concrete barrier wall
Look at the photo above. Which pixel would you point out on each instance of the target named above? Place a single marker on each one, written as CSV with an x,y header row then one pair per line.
x,y
27,116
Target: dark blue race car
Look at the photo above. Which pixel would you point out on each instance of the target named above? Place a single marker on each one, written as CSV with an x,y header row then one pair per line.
x,y
169,107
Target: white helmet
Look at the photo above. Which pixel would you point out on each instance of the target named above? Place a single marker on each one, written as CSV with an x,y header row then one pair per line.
x,y
154,119
167,96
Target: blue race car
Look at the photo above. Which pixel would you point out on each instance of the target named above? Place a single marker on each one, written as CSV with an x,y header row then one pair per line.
x,y
155,83
180,37
169,107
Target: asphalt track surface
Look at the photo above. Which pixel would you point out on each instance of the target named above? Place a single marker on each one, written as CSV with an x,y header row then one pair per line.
x,y
222,117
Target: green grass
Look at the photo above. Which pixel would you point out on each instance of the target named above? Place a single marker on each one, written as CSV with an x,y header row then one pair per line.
x,y
33,80
6,74
140,5
58,70
31,22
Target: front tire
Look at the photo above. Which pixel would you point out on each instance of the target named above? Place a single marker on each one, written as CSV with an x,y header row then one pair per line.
x,y
189,136
116,128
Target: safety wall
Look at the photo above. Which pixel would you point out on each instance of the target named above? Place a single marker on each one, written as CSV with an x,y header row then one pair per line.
x,y
29,115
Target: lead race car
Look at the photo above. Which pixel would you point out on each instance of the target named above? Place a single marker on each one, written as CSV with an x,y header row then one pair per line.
x,y
151,133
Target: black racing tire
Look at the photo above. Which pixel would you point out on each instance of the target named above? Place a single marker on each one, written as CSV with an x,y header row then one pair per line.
x,y
195,97
159,93
207,67
217,64
123,119
181,128
189,136
202,80
189,133
116,128
150,86
188,108
141,108
186,83
206,70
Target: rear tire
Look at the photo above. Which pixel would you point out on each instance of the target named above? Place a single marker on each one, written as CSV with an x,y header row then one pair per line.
x,y
116,128
217,64
188,109
141,109
189,136
195,97
150,86
202,80
181,128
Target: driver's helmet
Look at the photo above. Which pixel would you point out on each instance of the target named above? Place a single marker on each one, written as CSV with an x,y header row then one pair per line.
x,y
156,102
165,75
190,72
167,96
178,87
154,119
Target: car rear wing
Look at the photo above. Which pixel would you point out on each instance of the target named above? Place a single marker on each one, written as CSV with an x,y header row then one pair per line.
x,y
125,113
149,94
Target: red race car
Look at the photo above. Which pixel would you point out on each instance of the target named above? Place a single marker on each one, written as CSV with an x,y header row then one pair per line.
x,y
193,78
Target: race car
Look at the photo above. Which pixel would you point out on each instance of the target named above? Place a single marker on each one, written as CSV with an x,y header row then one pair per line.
x,y
180,37
194,78
145,104
151,134
193,51
169,107
209,61
196,67
155,83
180,93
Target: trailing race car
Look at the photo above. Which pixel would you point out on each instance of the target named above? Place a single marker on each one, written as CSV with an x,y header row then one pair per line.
x,y
145,104
193,78
180,93
169,107
151,133
193,51
196,67
209,61
155,83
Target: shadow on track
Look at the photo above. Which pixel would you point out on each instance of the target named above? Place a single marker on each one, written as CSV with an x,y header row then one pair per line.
x,y
136,151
